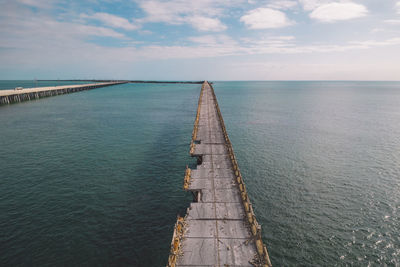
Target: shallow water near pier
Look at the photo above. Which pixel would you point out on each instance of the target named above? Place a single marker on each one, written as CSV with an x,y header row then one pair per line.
x,y
95,178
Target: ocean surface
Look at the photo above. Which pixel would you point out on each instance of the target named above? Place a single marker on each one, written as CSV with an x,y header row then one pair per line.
x,y
95,178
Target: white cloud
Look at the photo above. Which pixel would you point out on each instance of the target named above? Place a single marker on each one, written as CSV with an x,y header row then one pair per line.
x,y
283,38
338,11
37,3
112,21
206,24
272,41
376,30
200,14
283,4
309,70
398,7
205,39
23,31
255,47
373,43
50,42
265,18
309,5
213,40
392,21
87,30
47,38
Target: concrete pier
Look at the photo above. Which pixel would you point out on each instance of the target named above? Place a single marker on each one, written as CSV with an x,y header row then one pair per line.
x,y
219,228
15,96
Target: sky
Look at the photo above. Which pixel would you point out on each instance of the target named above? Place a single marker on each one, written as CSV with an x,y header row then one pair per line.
x,y
200,39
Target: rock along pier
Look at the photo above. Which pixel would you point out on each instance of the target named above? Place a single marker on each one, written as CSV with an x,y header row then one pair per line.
x,y
16,96
219,228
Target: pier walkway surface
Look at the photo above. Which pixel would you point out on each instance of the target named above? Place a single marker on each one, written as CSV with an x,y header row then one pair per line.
x,y
15,96
219,228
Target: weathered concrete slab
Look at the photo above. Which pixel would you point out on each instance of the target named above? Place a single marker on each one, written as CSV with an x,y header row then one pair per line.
x,y
211,211
216,165
236,252
220,195
215,158
201,172
198,252
208,149
217,232
201,229
206,138
217,228
205,132
231,252
198,184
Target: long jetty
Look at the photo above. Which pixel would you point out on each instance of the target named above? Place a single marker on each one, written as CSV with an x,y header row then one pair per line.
x,y
219,228
128,81
15,96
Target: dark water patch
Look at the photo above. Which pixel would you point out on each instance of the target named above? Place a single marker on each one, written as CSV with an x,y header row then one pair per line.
x,y
95,178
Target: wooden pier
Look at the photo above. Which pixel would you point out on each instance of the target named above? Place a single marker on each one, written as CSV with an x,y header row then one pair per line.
x,y
219,228
15,96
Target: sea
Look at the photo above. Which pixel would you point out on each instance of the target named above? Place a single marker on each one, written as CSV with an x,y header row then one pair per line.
x,y
95,178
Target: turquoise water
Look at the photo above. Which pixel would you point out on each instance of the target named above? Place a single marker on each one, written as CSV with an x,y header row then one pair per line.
x,y
95,178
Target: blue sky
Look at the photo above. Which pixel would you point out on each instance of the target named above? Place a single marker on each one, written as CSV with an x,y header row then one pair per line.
x,y
200,39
